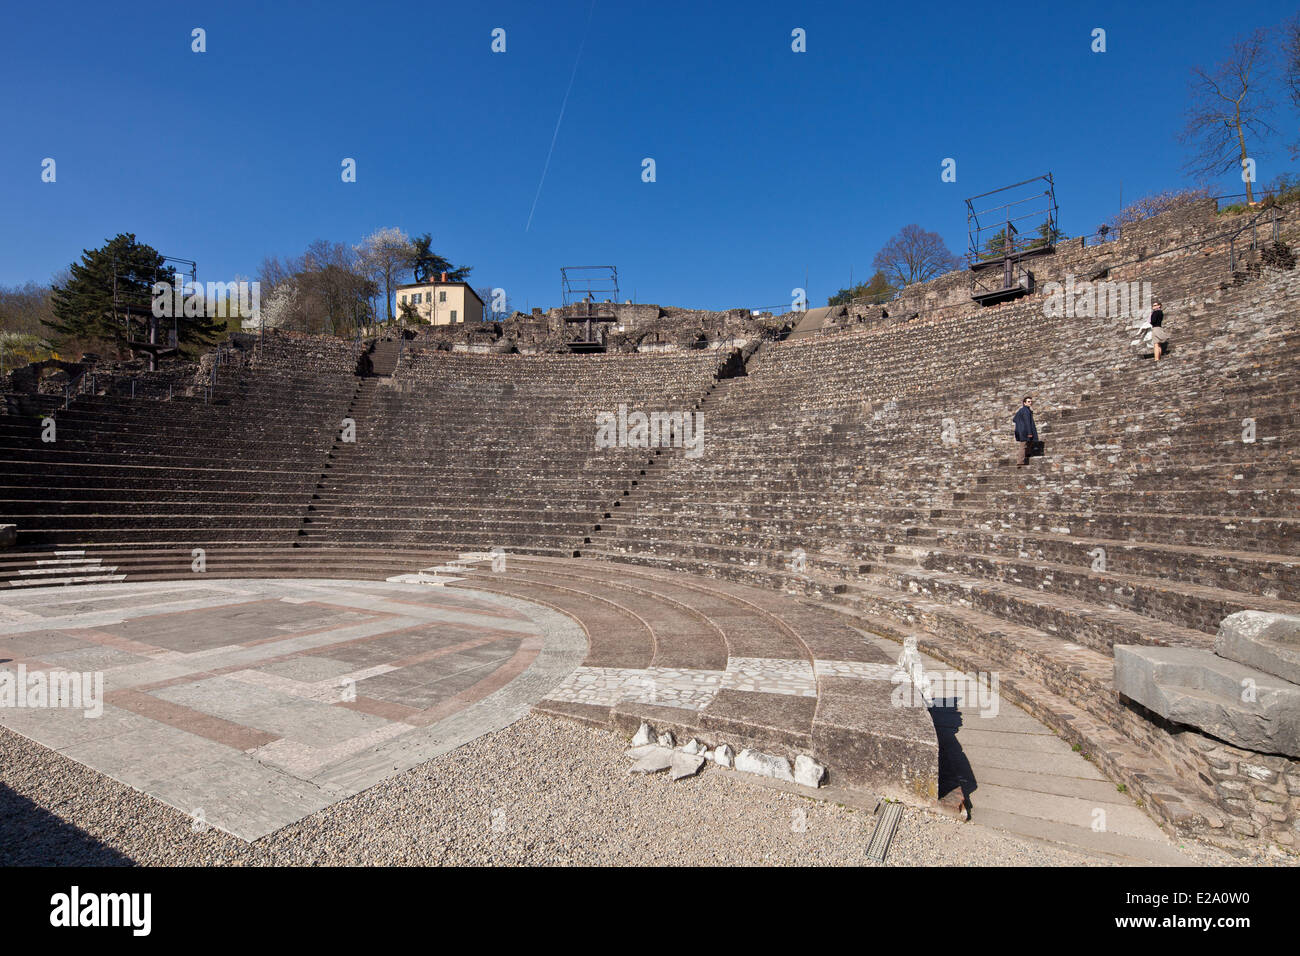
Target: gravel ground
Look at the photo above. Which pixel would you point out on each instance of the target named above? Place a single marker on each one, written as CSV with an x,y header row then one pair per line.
x,y
539,792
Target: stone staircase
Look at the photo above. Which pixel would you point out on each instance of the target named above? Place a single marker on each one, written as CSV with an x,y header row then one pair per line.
x,y
329,491
384,356
60,568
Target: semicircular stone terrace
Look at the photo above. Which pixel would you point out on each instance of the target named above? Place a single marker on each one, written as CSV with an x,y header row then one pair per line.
x,y
730,664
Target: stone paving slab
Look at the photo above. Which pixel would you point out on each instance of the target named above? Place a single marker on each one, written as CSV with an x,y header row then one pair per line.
x,y
250,704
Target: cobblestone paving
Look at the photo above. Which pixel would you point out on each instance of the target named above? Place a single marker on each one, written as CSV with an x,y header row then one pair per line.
x,y
862,670
696,689
607,686
771,676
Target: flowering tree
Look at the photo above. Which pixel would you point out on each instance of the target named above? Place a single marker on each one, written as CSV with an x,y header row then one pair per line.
x,y
383,257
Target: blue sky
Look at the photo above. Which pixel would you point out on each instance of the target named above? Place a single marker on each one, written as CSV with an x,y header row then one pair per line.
x,y
770,164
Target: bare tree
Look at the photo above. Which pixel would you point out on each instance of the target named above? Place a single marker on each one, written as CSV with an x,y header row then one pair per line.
x,y
914,255
490,312
273,272
323,290
335,291
1290,51
1227,102
25,308
383,257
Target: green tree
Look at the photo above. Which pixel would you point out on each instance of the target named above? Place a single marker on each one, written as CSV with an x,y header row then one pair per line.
x,y
409,316
84,306
878,288
996,246
428,265
1048,235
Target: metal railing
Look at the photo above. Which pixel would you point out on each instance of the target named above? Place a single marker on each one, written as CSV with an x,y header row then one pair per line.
x,y
1275,214
77,387
1102,236
1275,228
785,308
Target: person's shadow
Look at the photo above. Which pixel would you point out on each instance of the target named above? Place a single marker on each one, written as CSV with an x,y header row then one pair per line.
x,y
30,835
956,777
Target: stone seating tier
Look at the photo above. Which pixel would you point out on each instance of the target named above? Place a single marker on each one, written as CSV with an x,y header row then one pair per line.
x,y
1154,472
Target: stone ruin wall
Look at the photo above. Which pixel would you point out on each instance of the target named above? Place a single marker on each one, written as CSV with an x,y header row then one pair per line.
x,y
645,327
948,296
1257,796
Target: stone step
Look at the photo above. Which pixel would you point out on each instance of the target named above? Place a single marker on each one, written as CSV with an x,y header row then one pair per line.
x,y
1242,705
64,581
1173,803
1112,846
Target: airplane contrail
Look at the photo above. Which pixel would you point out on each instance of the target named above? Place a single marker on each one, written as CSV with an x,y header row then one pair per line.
x,y
560,118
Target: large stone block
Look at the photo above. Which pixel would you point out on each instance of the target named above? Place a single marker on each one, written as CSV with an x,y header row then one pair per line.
x,y
869,743
1264,641
1235,703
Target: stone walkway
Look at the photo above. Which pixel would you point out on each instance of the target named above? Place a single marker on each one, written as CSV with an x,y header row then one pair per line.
x,y
251,704
1022,778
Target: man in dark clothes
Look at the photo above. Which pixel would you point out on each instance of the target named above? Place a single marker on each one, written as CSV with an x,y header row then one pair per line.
x,y
1025,429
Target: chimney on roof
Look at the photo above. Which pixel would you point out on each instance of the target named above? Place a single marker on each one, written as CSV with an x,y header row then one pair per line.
x,y
444,277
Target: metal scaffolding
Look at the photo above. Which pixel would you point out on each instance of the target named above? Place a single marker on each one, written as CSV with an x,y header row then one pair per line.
x,y
589,294
1015,223
129,301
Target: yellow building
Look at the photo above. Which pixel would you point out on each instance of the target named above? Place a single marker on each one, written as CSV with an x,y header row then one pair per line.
x,y
441,302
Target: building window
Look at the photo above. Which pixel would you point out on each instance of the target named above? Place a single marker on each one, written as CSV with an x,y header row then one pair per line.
x,y
453,316
417,298
442,297
403,297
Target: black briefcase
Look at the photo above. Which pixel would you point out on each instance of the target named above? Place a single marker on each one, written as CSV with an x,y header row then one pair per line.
x,y
1035,450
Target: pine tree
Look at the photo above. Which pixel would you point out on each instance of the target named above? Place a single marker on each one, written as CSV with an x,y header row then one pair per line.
x,y
84,307
878,289
428,265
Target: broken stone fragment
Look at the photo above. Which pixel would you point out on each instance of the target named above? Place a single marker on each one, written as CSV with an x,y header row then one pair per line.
x,y
808,771
666,739
657,759
764,765
685,765
693,746
645,734
724,756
